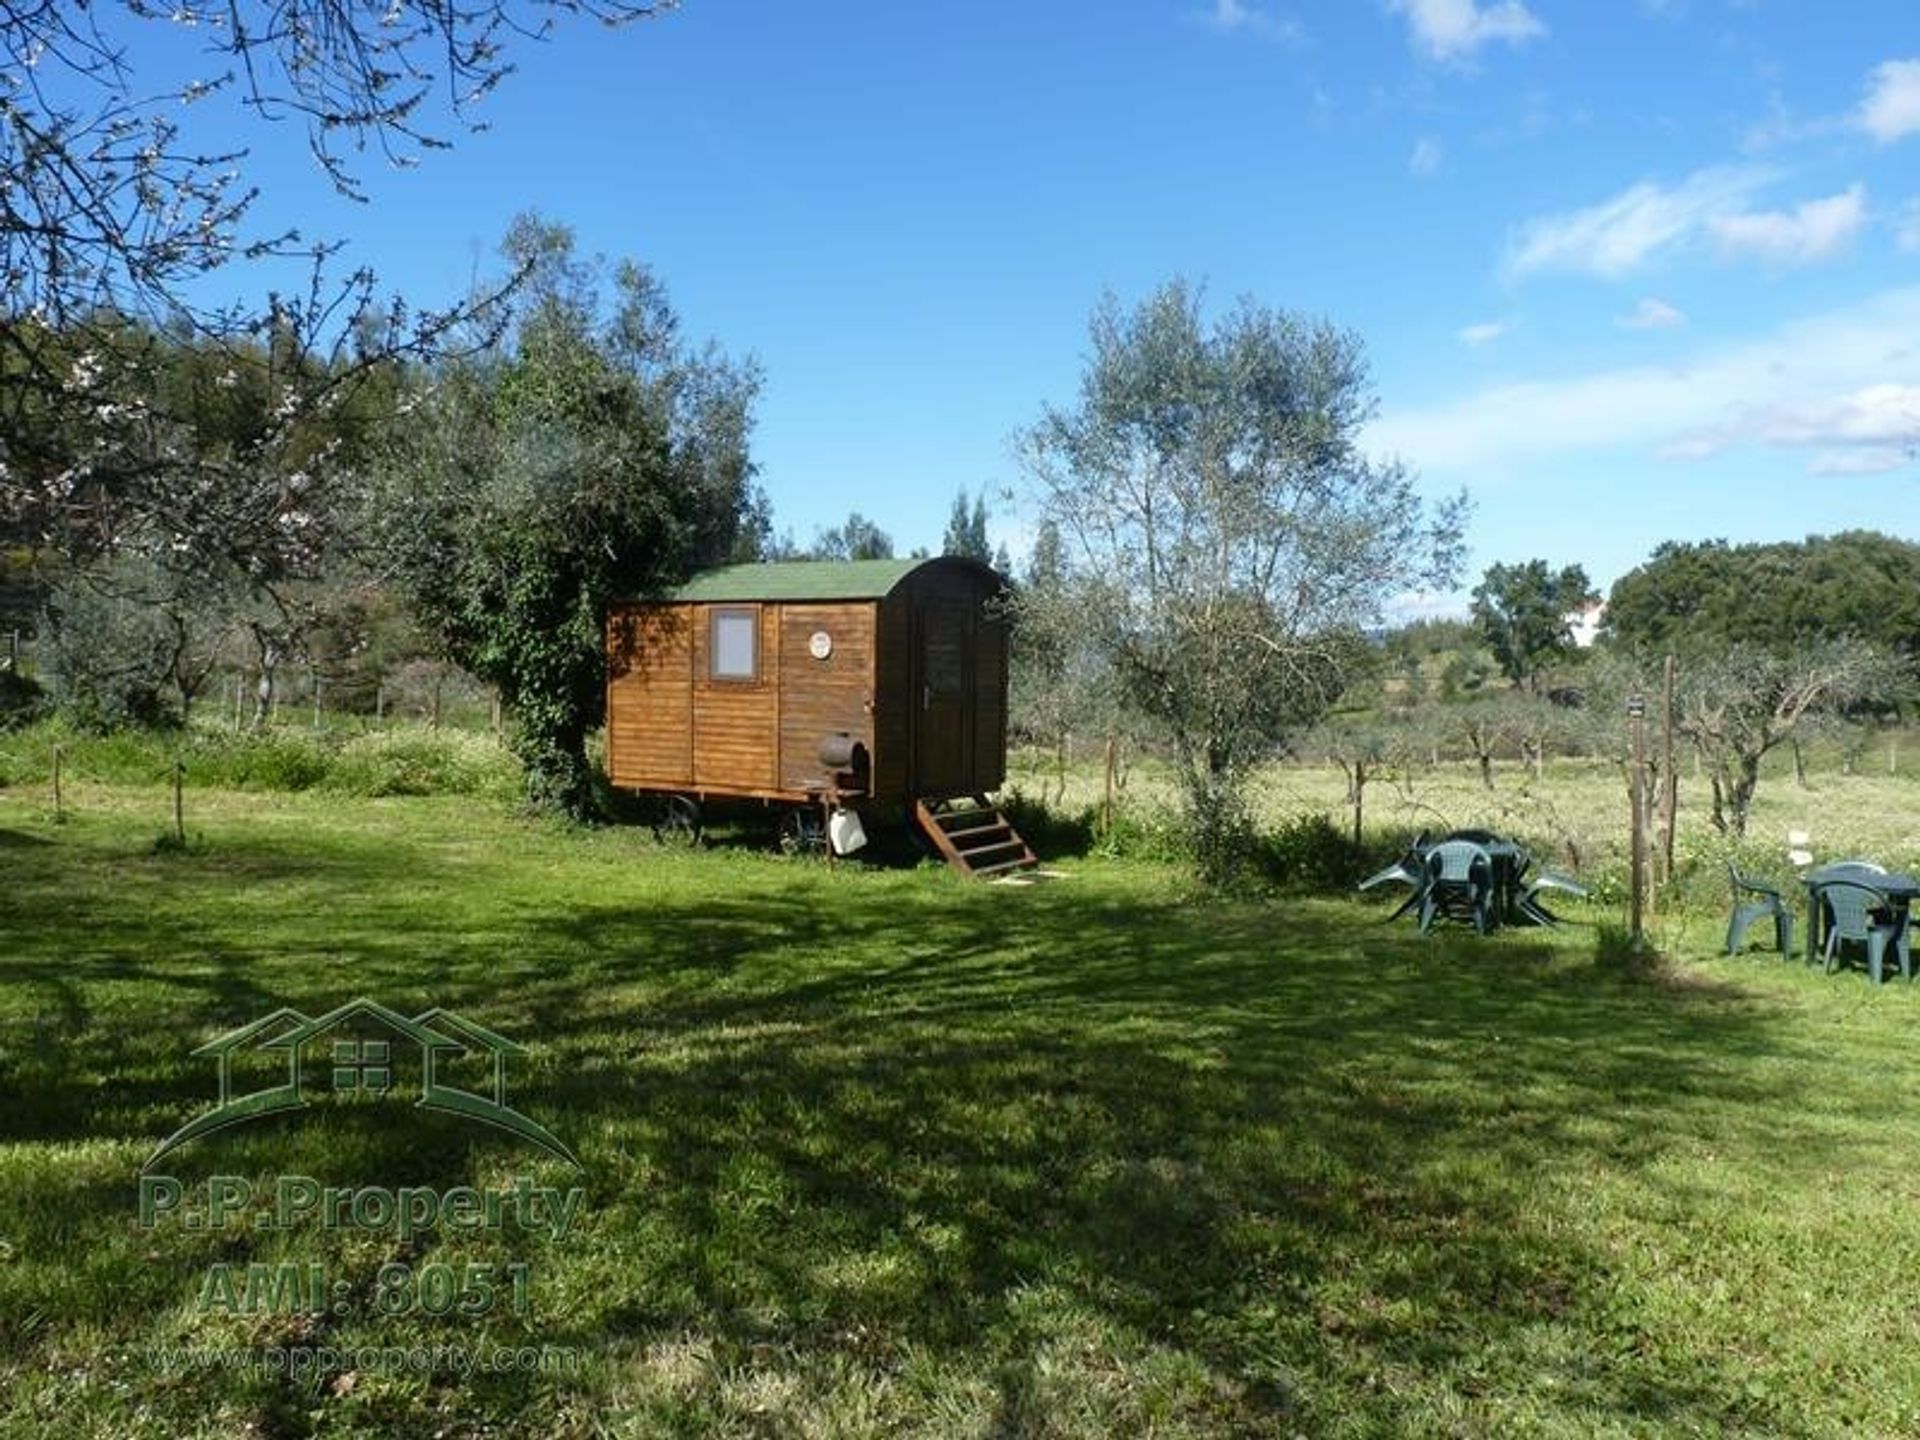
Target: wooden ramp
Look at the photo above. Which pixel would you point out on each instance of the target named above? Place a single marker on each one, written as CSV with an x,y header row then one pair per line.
x,y
973,836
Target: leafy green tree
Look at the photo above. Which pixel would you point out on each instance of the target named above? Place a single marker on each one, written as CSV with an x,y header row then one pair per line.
x,y
857,539
1522,613
967,530
107,656
1228,538
1857,585
591,455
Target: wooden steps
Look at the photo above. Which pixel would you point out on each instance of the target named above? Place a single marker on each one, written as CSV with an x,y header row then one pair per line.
x,y
973,836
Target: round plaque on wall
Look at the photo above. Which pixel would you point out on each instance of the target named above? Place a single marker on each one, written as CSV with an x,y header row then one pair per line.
x,y
820,645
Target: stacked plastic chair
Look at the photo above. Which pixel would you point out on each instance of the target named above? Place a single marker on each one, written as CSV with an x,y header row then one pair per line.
x,y
1767,905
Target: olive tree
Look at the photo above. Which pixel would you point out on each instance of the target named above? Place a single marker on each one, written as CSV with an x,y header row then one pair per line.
x,y
1226,535
591,455
1738,705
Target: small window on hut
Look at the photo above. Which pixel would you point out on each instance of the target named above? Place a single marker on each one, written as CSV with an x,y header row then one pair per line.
x,y
736,647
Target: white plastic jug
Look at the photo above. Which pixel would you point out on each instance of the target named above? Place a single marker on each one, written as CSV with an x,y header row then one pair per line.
x,y
844,832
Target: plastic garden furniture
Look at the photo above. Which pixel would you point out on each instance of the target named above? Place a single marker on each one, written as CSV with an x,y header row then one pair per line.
x,y
1404,871
1767,905
1861,915
1858,872
1458,885
1553,881
1408,870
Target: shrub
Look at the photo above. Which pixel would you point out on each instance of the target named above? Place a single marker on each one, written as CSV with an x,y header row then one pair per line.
x,y
267,760
1050,831
1146,834
1310,852
22,700
423,762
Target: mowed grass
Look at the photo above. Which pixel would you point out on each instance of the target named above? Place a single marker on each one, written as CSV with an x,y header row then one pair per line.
x,y
883,1152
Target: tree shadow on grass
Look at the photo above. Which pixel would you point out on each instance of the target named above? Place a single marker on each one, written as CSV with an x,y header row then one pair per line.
x,y
1332,1163
1190,1117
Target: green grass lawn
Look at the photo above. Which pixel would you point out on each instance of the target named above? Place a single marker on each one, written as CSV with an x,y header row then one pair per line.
x,y
883,1152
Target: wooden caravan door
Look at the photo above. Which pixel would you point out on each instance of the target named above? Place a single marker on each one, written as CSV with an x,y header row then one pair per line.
x,y
943,721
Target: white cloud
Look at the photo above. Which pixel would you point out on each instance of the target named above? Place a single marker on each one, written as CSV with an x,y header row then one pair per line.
x,y
1812,231
1871,461
1235,16
1891,107
1454,29
1483,334
1652,314
1845,381
1877,417
1618,235
1427,157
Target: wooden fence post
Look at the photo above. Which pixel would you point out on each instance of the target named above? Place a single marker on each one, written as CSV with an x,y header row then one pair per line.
x,y
179,804
1106,804
59,805
1669,779
1637,781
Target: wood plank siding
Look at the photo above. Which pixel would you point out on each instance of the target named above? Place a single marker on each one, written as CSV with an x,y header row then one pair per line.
x,y
823,695
990,703
672,726
915,669
650,697
736,722
893,701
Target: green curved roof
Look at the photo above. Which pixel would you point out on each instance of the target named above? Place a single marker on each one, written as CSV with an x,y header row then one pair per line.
x,y
807,580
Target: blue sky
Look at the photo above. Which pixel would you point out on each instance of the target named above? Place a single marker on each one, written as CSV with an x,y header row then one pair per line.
x,y
1627,271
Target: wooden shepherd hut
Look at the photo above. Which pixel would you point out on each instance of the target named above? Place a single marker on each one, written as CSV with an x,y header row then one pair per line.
x,y
875,687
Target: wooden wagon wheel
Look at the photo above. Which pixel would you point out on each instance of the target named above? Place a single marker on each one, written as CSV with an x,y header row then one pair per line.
x,y
679,822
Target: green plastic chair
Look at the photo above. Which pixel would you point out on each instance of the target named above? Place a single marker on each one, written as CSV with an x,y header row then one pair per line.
x,y
1458,886
1408,870
1554,882
1404,871
1861,915
1769,905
